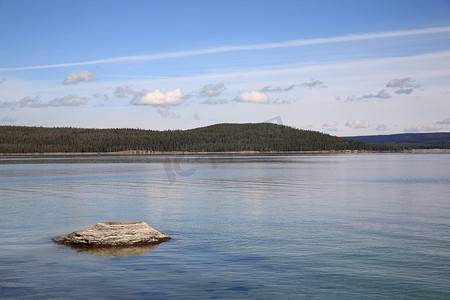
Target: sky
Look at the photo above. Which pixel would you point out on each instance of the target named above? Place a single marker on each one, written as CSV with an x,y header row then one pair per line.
x,y
344,68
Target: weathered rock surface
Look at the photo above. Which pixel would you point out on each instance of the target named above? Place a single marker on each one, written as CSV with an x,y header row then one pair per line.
x,y
113,234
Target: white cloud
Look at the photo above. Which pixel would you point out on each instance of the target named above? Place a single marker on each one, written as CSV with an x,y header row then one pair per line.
x,y
289,88
405,85
439,125
310,84
278,89
380,95
446,121
215,101
330,124
75,77
8,104
67,101
313,83
401,83
105,97
405,91
358,124
124,92
397,82
381,127
427,127
270,89
253,97
3,79
164,111
35,102
157,97
212,90
284,101
8,120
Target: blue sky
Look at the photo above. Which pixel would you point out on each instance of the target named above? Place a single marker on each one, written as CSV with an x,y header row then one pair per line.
x,y
340,67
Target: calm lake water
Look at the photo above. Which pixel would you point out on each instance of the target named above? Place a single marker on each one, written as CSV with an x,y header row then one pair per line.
x,y
264,227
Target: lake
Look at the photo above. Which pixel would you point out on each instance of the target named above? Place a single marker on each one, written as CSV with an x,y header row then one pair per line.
x,y
346,226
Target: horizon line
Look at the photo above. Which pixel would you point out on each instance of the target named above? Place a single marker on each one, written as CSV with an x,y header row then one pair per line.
x,y
261,46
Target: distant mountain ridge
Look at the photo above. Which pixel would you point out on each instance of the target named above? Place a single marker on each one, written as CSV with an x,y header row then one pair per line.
x,y
259,137
410,140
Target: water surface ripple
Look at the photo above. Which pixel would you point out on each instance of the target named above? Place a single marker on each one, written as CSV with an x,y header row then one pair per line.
x,y
345,226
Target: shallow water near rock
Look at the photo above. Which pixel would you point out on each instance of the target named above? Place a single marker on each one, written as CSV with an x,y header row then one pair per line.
x,y
115,251
346,226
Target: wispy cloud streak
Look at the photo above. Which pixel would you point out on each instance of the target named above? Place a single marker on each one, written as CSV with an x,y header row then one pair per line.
x,y
263,46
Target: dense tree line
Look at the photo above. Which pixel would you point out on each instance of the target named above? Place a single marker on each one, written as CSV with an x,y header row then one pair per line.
x,y
215,138
433,140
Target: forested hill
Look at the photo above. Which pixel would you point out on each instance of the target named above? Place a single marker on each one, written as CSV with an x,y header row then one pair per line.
x,y
410,140
215,138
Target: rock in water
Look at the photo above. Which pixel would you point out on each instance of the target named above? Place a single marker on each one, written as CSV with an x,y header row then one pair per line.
x,y
113,234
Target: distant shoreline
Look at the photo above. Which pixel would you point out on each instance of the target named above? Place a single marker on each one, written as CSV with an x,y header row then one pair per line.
x,y
145,152
225,138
